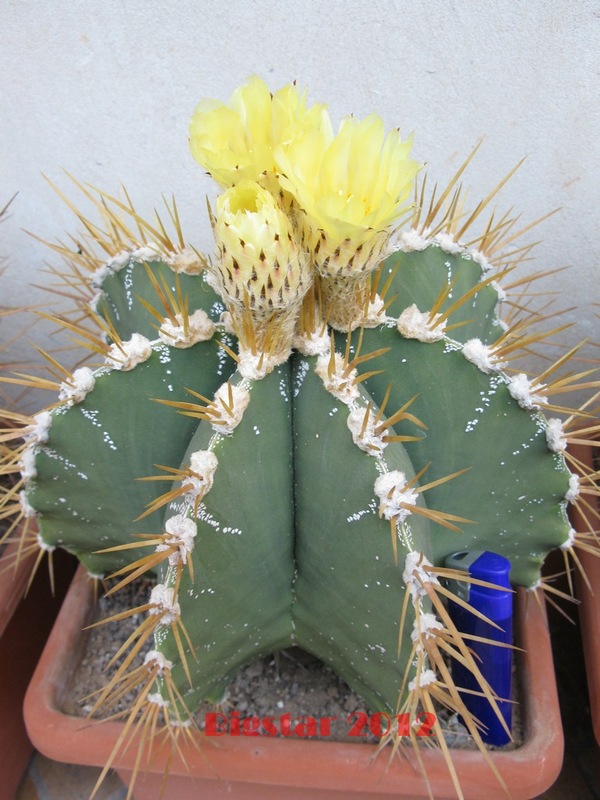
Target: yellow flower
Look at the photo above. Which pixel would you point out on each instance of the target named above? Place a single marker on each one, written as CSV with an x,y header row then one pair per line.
x,y
236,141
352,189
261,266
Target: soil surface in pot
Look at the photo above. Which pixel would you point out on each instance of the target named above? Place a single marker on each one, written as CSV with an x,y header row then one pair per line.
x,y
289,682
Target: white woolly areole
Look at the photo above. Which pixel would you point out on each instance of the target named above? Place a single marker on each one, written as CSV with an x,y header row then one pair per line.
x,y
256,366
448,243
367,439
499,291
480,259
27,464
163,597
157,699
150,252
40,429
570,540
373,317
155,658
414,240
200,328
26,507
81,384
47,548
574,488
180,532
340,386
231,411
424,678
415,574
520,388
98,277
186,261
481,355
415,324
393,495
203,463
555,435
175,722
312,344
94,302
427,627
129,354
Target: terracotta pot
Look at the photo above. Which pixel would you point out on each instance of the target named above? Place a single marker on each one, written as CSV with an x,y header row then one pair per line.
x,y
589,609
25,622
265,767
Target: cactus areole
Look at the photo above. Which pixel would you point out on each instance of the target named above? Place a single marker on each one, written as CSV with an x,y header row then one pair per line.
x,y
293,434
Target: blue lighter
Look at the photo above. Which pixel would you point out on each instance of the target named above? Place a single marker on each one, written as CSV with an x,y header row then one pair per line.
x,y
494,662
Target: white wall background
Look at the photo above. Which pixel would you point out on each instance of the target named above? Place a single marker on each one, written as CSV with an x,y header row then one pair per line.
x,y
104,88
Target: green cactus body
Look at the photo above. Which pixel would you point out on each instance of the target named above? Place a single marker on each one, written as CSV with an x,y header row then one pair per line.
x,y
292,524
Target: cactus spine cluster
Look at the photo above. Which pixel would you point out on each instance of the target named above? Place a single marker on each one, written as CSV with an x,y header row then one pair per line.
x,y
331,405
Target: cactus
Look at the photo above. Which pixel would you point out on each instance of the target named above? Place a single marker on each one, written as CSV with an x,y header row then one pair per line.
x,y
331,404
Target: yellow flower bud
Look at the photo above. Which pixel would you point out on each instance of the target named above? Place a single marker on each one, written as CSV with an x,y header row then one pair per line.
x,y
262,271
236,141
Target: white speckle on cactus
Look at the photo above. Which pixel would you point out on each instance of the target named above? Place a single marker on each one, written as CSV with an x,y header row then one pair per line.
x,y
520,388
357,515
75,390
555,435
574,488
336,377
27,509
427,625
415,324
40,429
47,548
180,532
203,463
200,328
186,261
569,541
415,574
157,699
365,435
481,355
129,354
395,496
408,241
156,659
162,598
230,402
424,678
27,465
